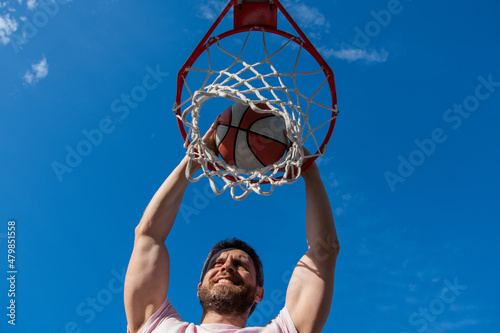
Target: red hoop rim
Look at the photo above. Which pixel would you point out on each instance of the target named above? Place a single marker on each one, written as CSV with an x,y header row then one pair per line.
x,y
301,40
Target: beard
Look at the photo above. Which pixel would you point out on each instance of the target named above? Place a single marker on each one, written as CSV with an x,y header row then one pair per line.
x,y
226,299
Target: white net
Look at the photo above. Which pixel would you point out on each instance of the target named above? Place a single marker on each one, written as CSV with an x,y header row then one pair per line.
x,y
284,78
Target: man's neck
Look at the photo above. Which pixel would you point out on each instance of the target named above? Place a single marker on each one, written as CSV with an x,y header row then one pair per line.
x,y
238,320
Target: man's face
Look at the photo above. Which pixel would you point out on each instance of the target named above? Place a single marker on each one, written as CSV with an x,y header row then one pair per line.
x,y
230,284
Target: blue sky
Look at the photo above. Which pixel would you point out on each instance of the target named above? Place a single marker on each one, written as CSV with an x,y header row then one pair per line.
x,y
411,169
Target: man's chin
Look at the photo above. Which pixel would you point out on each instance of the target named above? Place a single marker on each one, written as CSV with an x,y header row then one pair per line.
x,y
227,290
226,298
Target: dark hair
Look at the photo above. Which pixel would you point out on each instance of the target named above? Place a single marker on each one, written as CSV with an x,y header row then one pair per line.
x,y
240,245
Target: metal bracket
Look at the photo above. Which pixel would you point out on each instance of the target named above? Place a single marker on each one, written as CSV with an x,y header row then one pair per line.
x,y
256,13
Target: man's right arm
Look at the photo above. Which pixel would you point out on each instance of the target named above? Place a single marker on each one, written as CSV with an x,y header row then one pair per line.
x,y
146,282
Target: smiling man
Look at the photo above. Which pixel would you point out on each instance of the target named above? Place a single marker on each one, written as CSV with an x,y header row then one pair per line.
x,y
232,278
231,283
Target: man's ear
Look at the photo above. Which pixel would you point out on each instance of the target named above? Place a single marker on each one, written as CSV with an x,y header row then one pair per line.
x,y
198,292
259,295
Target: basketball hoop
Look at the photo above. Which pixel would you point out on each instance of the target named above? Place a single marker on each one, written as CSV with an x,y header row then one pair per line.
x,y
259,64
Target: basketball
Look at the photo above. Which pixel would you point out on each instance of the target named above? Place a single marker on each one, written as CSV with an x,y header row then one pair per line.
x,y
248,139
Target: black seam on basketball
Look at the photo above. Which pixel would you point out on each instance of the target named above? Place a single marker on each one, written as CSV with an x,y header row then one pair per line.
x,y
267,137
252,132
235,137
248,137
224,137
243,116
238,129
253,153
231,116
259,119
263,135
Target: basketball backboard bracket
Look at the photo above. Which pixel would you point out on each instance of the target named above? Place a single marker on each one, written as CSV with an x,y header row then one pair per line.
x,y
255,13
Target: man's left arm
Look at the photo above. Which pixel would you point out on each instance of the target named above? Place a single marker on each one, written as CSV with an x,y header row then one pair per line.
x,y
310,291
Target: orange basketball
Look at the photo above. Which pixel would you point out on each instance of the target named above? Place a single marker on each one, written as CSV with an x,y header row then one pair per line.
x,y
250,140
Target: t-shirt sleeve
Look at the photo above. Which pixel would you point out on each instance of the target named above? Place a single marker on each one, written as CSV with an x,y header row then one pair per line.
x,y
166,310
284,321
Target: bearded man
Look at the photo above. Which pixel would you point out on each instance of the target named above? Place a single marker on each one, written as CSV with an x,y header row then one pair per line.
x,y
232,278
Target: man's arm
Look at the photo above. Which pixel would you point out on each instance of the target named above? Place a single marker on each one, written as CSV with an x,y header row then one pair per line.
x,y
310,291
146,282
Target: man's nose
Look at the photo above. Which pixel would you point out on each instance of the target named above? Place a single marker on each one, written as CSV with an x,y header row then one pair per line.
x,y
228,266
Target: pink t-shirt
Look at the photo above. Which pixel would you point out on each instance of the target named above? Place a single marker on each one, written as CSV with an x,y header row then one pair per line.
x,y
167,320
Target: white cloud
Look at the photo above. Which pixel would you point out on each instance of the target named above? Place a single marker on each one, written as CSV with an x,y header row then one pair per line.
x,y
31,4
323,160
38,71
308,17
462,308
355,54
338,211
7,26
346,197
211,9
448,326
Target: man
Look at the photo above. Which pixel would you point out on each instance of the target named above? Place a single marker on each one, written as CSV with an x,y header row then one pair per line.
x,y
232,280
